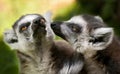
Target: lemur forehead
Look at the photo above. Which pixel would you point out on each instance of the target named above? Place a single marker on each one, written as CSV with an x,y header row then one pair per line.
x,y
28,18
91,18
93,22
78,20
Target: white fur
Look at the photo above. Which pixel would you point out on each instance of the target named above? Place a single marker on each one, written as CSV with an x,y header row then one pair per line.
x,y
75,68
69,34
83,39
101,32
39,55
29,18
99,18
8,35
88,48
83,45
50,34
79,20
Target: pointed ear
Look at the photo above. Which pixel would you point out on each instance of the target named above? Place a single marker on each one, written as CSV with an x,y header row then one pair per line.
x,y
11,39
50,34
47,16
99,18
101,38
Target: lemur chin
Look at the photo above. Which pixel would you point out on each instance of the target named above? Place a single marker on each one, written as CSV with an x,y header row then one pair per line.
x,y
90,36
33,39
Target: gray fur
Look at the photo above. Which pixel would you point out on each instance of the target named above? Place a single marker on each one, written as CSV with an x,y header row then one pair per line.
x,y
37,50
93,37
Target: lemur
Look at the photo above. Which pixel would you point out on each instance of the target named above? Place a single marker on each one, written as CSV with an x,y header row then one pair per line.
x,y
33,39
89,35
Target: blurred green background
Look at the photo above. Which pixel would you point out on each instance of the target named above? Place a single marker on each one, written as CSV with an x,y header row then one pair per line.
x,y
11,10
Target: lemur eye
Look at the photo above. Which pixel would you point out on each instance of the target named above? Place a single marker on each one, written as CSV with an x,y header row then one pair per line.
x,y
76,29
24,28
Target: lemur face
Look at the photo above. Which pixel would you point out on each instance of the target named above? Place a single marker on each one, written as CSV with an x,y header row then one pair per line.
x,y
29,27
29,30
84,32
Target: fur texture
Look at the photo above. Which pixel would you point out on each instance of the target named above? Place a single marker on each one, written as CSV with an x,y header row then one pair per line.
x,y
90,36
33,39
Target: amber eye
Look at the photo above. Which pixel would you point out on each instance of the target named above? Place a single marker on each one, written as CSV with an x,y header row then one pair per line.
x,y
24,28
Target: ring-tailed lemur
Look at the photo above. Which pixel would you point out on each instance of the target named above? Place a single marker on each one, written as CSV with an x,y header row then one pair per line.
x,y
90,36
32,37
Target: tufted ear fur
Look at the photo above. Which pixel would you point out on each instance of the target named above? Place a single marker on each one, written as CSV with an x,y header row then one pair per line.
x,y
99,18
101,38
50,34
11,39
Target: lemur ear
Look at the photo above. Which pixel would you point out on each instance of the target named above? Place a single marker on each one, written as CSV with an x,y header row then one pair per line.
x,y
50,34
11,39
99,18
47,16
101,38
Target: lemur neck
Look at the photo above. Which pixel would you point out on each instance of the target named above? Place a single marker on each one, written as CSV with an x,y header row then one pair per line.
x,y
42,48
113,49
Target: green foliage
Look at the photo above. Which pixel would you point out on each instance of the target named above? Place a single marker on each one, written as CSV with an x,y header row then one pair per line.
x,y
8,60
67,12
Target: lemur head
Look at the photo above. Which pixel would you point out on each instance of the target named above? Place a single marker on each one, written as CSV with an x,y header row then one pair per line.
x,y
29,29
84,32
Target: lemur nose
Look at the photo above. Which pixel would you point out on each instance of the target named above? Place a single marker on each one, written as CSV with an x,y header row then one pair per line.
x,y
38,22
56,26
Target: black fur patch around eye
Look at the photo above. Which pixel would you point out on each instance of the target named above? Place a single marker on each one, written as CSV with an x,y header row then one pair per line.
x,y
24,25
12,41
75,27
